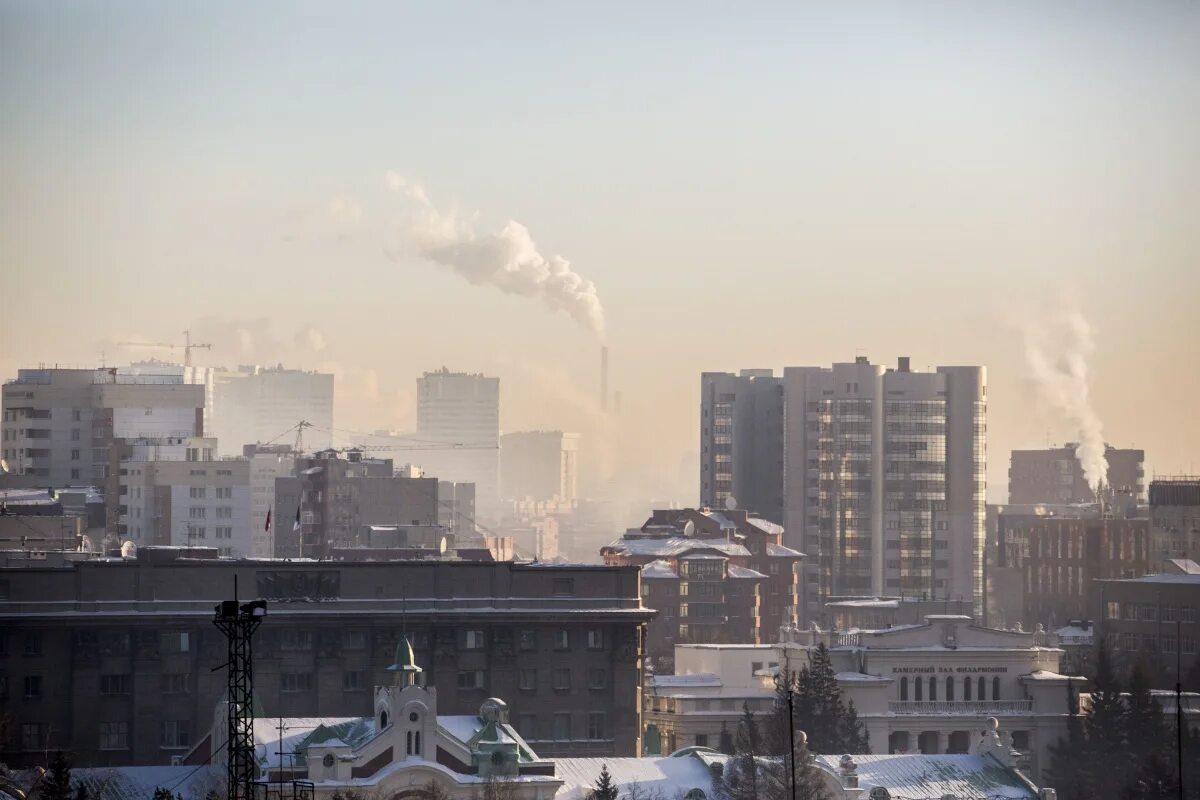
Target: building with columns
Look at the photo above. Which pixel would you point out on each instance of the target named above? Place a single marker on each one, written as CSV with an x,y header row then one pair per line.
x,y
924,688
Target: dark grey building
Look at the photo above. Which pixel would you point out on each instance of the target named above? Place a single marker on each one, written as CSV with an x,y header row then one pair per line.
x,y
118,661
337,497
741,441
1054,475
1154,619
1175,518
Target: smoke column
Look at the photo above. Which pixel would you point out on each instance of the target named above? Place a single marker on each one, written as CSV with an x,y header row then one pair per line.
x,y
509,260
1061,375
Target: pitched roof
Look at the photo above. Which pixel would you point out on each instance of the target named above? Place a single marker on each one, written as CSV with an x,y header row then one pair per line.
x,y
744,572
674,546
670,776
780,550
659,569
932,777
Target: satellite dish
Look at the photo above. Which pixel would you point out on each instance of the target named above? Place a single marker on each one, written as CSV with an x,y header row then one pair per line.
x,y
128,550
689,530
730,502
442,546
4,466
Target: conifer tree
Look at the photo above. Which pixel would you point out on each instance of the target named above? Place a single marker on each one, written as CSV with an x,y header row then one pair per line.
x,y
56,784
605,789
1106,752
1067,772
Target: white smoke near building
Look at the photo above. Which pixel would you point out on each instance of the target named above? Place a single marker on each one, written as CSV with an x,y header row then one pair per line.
x,y
1058,361
508,259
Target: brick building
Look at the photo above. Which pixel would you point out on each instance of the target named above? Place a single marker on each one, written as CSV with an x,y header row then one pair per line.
x,y
114,659
1058,557
713,576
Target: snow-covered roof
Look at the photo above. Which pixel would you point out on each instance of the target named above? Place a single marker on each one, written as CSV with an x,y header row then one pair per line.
x,y
866,602
1074,632
744,572
697,679
860,677
300,732
932,777
669,776
1047,675
139,783
765,525
659,569
1164,578
779,550
674,546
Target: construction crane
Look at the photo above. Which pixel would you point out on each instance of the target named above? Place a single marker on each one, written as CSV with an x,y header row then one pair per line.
x,y
187,346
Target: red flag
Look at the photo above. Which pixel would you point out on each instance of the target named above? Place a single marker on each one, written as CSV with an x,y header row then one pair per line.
x,y
267,527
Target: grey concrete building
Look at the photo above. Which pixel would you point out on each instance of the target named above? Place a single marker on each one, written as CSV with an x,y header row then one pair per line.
x,y
114,659
337,497
884,477
1175,518
254,404
542,466
1154,619
456,507
267,462
1054,475
459,414
187,503
741,441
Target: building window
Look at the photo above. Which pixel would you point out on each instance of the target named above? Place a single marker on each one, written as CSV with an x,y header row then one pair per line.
x,y
114,735
174,734
176,682
74,455
595,725
114,684
966,688
595,639
352,680
197,512
197,492
562,639
74,474
33,687
354,639
981,689
949,688
470,679
33,644
597,678
904,688
197,532
296,640
562,679
224,512
701,738
224,533
563,587
932,688
224,492
176,642
527,639
296,682
562,726
528,680
31,736
475,640
918,689
995,688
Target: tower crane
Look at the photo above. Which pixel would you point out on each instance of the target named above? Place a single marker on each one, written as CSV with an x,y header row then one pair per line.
x,y
188,346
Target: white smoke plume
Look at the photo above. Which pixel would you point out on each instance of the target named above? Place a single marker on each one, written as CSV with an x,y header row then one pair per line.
x,y
1058,361
508,260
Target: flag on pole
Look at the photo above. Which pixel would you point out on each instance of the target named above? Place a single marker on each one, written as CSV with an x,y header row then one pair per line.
x,y
267,527
296,524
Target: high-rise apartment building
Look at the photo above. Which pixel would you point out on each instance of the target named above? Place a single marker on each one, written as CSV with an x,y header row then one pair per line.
x,y
73,426
257,404
884,479
542,466
459,414
879,473
1054,475
741,441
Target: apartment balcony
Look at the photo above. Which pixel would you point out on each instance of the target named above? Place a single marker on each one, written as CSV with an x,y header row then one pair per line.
x,y
960,707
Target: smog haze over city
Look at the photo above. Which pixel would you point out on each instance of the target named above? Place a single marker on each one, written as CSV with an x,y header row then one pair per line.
x,y
530,400
734,188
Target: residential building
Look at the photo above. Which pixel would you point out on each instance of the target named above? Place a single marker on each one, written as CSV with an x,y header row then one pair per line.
x,y
68,427
1175,518
456,507
187,503
117,660
1054,475
153,370
713,576
741,441
267,462
1154,619
542,466
459,414
884,480
256,404
1059,556
336,498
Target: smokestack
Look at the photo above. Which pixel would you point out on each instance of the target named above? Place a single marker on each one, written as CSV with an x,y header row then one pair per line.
x,y
604,378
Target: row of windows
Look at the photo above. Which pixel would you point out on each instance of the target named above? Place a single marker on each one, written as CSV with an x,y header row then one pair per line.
x,y
978,684
1148,612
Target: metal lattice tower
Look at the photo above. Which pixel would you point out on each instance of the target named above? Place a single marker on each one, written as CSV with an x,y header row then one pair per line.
x,y
238,622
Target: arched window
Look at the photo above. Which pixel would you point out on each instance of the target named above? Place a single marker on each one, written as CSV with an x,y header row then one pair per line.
x,y
416,743
917,685
932,688
949,688
966,688
408,743
904,688
383,720
982,693
995,688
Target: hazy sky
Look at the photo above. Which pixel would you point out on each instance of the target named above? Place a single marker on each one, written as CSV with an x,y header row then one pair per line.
x,y
769,185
